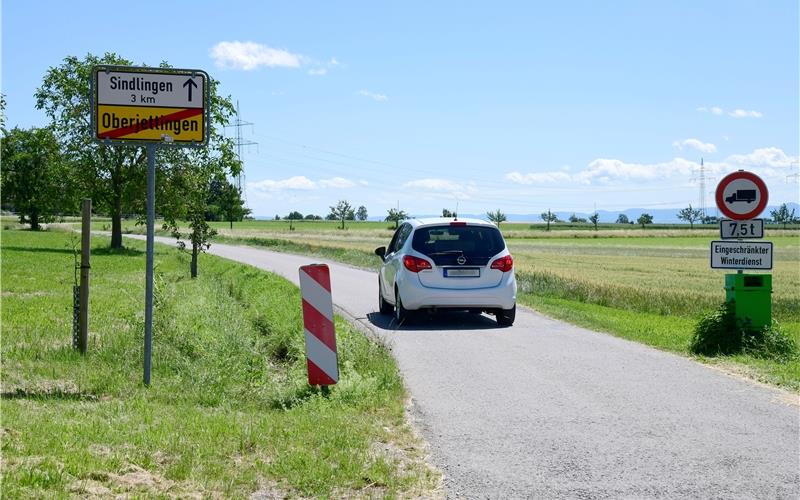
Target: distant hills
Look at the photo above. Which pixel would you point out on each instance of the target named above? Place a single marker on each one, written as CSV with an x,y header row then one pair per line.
x,y
660,216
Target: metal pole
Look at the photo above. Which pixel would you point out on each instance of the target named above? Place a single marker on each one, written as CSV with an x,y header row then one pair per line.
x,y
148,294
86,241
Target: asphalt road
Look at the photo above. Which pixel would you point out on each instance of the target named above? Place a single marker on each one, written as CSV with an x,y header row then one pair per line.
x,y
548,410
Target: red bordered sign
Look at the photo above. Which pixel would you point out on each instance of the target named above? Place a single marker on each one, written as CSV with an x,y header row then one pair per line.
x,y
742,195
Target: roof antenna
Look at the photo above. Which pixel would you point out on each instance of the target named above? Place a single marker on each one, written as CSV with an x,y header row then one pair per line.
x,y
455,214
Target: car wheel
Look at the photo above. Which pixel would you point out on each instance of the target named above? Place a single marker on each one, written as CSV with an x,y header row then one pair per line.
x,y
505,317
401,314
383,306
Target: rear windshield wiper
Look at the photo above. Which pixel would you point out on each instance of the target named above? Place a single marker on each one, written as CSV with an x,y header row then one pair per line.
x,y
446,252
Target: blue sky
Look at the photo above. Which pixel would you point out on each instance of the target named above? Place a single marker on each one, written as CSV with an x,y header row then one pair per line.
x,y
517,106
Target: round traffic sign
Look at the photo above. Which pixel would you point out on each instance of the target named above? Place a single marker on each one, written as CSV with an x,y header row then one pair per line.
x,y
742,195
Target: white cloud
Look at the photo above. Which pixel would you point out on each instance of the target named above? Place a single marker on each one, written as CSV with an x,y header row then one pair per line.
x,y
769,163
714,110
444,186
703,147
372,95
336,182
299,182
743,113
538,177
318,72
609,171
763,158
250,55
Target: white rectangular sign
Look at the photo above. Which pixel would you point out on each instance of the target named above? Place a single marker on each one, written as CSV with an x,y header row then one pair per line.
x,y
733,229
166,90
741,254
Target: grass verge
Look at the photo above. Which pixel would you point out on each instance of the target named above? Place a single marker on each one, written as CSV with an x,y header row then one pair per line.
x,y
229,411
669,333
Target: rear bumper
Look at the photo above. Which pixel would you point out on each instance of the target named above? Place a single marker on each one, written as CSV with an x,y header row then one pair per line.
x,y
416,296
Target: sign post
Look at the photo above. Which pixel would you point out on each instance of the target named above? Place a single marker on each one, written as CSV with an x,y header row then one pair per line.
x,y
742,196
154,107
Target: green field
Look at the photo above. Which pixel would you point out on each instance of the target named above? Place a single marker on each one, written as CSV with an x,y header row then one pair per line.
x,y
645,285
229,411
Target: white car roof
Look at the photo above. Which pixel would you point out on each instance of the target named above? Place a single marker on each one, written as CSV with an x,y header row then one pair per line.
x,y
437,221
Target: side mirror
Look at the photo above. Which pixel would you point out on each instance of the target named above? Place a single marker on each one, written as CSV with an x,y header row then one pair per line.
x,y
381,252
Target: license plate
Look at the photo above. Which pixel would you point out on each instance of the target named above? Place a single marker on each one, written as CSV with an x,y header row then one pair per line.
x,y
470,272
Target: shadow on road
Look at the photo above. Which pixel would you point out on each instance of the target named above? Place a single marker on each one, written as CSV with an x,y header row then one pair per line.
x,y
441,320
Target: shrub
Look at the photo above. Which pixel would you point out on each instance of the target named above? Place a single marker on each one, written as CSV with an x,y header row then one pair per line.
x,y
719,333
770,343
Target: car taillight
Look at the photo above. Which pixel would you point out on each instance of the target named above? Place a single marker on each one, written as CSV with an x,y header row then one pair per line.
x,y
415,264
504,264
458,223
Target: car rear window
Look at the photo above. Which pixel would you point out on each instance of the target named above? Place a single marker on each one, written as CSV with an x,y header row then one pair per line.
x,y
445,243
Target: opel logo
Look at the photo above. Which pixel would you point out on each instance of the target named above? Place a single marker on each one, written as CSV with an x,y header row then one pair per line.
x,y
461,260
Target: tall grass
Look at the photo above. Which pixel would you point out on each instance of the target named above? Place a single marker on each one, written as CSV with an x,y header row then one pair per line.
x,y
229,411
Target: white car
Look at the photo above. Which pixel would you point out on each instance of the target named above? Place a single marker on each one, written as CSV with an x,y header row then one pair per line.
x,y
446,263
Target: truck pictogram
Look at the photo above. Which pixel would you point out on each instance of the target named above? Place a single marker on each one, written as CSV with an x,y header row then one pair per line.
x,y
747,195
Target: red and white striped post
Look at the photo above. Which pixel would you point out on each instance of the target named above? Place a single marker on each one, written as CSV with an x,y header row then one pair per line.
x,y
320,332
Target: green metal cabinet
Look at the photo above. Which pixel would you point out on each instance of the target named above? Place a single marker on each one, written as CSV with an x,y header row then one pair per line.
x,y
752,296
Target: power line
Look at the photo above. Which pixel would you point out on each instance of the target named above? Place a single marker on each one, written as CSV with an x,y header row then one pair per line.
x,y
238,124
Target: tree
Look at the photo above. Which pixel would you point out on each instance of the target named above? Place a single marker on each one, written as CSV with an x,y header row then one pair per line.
x,y
497,217
396,215
622,219
645,219
232,205
576,220
549,217
226,201
115,175
690,215
710,219
342,211
782,215
312,217
594,218
447,213
361,213
195,186
294,215
33,176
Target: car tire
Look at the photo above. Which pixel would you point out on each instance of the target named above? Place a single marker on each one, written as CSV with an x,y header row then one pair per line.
x,y
505,317
383,306
401,314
